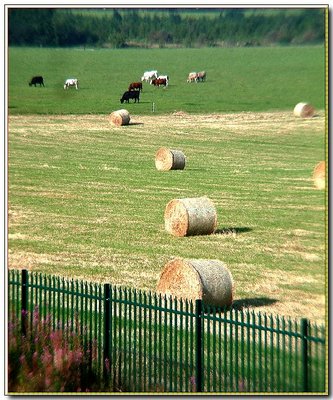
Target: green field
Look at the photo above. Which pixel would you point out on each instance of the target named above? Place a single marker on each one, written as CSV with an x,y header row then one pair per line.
x,y
85,199
238,79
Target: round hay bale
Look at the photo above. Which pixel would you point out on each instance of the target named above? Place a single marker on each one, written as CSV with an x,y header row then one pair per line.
x,y
120,117
304,110
166,159
191,216
319,175
209,280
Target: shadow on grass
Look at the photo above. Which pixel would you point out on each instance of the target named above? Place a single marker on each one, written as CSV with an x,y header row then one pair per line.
x,y
242,305
253,302
232,230
136,123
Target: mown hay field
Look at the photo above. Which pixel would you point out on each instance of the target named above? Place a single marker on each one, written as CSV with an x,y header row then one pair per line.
x,y
86,201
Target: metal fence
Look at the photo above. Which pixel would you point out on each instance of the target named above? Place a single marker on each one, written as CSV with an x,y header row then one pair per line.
x,y
150,343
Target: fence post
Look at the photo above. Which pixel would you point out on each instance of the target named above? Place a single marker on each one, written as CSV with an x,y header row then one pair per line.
x,y
305,366
198,345
107,331
24,301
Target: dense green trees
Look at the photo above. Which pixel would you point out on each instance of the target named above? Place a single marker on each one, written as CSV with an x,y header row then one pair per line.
x,y
164,27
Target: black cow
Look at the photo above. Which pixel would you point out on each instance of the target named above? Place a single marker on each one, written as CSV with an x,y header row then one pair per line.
x,y
36,80
133,94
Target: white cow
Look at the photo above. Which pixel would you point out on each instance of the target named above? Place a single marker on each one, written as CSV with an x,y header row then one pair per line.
x,y
192,77
71,82
148,76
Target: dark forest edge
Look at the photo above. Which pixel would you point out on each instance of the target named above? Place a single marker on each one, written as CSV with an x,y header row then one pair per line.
x,y
146,28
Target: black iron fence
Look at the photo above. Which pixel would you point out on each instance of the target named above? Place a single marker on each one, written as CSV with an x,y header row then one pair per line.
x,y
151,343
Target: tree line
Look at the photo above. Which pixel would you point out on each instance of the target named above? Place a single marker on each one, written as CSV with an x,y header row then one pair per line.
x,y
120,28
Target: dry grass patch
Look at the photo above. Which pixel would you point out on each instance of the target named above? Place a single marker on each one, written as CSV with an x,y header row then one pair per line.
x,y
281,286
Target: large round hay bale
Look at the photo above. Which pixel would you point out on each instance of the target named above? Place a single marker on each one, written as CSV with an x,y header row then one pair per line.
x,y
319,175
304,110
190,216
209,280
120,117
166,159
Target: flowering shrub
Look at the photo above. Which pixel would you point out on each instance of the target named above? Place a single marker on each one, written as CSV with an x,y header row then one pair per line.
x,y
49,360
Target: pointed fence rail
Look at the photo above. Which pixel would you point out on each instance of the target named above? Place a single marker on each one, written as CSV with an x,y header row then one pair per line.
x,y
149,343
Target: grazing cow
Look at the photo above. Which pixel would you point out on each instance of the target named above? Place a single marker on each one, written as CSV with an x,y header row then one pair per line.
x,y
159,82
201,76
192,77
71,82
36,80
148,76
166,77
132,94
135,86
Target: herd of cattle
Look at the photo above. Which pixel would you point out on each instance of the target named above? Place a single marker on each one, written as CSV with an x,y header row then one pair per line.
x,y
196,76
134,88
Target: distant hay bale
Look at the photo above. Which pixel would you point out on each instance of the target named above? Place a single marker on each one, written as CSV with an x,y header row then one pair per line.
x,y
304,110
120,117
319,175
166,159
190,216
209,280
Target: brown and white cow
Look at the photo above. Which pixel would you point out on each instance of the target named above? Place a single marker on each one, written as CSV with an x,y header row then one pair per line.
x,y
135,86
159,82
201,76
166,77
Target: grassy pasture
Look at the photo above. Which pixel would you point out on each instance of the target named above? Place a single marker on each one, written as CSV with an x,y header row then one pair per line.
x,y
86,201
238,79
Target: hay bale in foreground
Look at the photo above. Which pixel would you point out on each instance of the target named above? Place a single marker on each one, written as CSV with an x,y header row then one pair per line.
x,y
319,175
120,117
190,216
304,110
166,159
209,280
